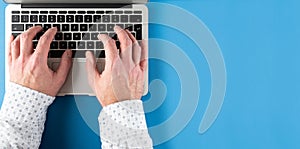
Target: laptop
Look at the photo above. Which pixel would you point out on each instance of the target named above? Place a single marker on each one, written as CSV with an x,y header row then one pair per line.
x,y
78,22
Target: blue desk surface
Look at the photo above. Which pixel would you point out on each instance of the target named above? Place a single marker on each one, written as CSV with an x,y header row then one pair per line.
x,y
259,40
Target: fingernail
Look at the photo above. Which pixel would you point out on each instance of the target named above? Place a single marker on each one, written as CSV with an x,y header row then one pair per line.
x,y
54,28
117,28
69,53
103,37
88,56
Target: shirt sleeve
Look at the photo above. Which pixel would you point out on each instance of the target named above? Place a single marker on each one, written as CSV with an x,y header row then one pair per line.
x,y
22,117
123,125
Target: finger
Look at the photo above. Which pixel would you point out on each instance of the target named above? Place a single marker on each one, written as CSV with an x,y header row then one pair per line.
x,y
64,67
15,48
11,39
144,55
125,44
136,50
111,52
43,45
91,69
26,40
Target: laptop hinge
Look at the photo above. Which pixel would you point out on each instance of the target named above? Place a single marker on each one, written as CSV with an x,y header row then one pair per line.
x,y
76,5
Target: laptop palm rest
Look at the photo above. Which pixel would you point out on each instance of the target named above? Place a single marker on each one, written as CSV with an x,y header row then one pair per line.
x,y
77,81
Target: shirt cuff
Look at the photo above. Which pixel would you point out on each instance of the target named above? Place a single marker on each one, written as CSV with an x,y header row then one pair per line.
x,y
123,124
24,104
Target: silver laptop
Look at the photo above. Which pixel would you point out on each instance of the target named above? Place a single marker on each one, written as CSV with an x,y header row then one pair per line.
x,y
78,22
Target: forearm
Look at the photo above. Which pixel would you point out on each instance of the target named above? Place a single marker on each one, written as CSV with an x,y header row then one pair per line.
x,y
123,125
22,117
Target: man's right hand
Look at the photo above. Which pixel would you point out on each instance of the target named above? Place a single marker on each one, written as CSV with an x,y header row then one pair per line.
x,y
123,75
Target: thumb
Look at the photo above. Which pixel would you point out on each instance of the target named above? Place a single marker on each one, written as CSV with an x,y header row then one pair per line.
x,y
64,66
91,68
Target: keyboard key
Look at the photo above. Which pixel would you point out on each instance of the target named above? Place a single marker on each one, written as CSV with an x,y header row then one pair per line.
x,y
100,54
86,36
43,12
99,45
83,27
56,53
15,18
34,44
97,18
51,18
76,36
118,12
129,27
135,18
72,45
121,25
33,18
67,36
58,36
63,45
118,44
34,12
78,53
90,45
124,18
54,45
138,30
46,27
60,18
88,18
90,12
65,27
39,35
133,34
105,18
78,18
15,12
28,26
57,26
115,18
70,18
137,12
81,45
53,12
113,36
109,12
81,12
100,12
128,12
63,12
71,12
16,34
92,27
43,18
17,27
101,27
94,36
24,18
110,27
38,25
74,27
25,12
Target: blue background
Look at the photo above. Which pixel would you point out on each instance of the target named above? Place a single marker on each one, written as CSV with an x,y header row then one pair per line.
x,y
260,42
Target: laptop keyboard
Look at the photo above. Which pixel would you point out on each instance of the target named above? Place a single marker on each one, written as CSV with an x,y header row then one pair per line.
x,y
78,30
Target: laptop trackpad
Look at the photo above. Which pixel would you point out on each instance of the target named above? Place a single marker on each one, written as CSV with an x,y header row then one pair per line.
x,y
76,82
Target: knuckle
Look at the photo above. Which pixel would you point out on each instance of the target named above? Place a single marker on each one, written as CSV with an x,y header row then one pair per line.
x,y
24,35
13,44
127,42
44,38
111,42
60,80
